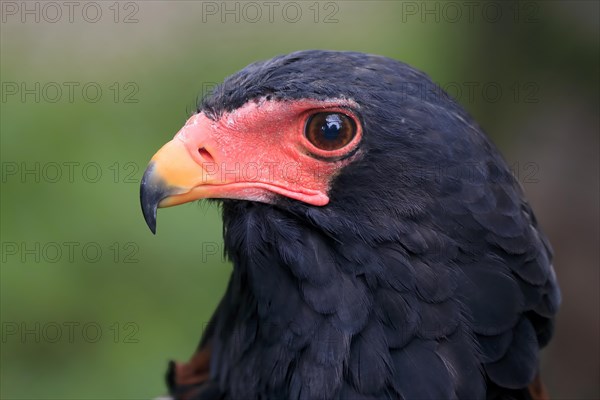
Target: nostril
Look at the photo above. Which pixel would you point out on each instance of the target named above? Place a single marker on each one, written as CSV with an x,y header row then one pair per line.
x,y
206,156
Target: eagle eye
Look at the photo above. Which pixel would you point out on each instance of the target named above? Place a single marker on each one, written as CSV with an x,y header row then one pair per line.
x,y
330,131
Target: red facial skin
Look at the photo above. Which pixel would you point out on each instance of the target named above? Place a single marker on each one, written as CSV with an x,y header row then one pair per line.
x,y
255,152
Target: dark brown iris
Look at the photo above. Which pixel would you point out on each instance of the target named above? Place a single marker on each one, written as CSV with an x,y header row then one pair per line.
x,y
330,131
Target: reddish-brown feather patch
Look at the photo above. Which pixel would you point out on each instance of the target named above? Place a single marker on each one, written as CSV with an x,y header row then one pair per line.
x,y
537,389
186,378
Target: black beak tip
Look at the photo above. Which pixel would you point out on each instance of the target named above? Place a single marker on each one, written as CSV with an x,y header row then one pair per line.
x,y
150,216
152,191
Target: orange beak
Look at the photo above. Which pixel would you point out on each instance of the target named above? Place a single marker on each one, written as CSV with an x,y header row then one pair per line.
x,y
172,177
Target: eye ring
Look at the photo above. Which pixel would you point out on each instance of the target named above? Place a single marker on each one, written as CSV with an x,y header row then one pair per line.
x,y
330,131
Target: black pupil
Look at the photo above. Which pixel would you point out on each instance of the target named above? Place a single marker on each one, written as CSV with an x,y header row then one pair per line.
x,y
332,127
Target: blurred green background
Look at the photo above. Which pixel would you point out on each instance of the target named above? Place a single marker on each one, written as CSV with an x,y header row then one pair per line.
x,y
93,305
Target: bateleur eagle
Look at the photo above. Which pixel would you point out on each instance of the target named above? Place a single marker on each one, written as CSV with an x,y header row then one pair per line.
x,y
382,249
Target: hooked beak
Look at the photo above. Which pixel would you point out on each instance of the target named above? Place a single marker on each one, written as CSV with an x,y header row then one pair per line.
x,y
169,180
